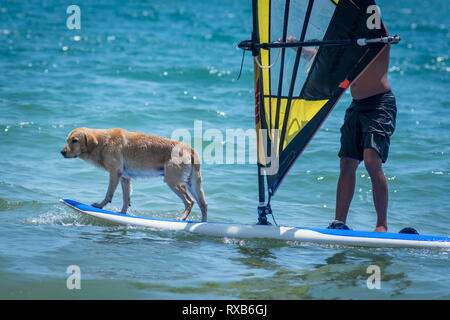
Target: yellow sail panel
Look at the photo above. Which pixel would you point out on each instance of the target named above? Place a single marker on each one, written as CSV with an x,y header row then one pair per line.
x,y
263,26
270,110
273,106
301,112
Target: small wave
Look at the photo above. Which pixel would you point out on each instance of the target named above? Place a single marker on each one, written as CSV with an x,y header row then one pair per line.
x,y
56,216
62,217
238,242
150,13
7,205
164,74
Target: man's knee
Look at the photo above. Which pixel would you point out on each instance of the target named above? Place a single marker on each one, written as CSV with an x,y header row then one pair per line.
x,y
348,165
372,160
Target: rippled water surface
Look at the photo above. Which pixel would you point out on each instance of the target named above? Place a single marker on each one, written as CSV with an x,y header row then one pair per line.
x,y
158,66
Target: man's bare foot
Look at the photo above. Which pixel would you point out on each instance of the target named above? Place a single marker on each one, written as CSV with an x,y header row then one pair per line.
x,y
380,229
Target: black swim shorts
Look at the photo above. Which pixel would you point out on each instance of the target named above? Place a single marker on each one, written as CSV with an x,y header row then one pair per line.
x,y
368,123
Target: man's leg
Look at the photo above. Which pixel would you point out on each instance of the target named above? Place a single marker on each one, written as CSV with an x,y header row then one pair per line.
x,y
345,187
373,164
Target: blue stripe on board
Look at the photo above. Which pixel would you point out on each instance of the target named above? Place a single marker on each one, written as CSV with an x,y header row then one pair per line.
x,y
380,235
345,233
85,207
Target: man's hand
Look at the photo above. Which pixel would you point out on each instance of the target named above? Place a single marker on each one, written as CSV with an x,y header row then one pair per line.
x,y
291,39
307,52
288,39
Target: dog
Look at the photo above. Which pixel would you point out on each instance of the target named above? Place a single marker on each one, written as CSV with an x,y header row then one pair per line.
x,y
127,155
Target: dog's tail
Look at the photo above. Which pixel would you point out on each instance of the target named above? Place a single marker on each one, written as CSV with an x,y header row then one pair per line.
x,y
194,185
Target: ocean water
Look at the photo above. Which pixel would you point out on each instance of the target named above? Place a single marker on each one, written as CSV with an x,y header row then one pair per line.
x,y
161,66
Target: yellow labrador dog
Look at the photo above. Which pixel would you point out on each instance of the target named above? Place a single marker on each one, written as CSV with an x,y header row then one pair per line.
x,y
126,155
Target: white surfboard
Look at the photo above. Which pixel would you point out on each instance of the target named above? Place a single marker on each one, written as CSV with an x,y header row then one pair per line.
x,y
235,230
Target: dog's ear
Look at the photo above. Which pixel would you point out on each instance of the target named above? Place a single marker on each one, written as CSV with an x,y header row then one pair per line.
x,y
90,142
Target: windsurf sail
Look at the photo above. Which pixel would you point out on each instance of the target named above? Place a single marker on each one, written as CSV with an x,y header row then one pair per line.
x,y
306,54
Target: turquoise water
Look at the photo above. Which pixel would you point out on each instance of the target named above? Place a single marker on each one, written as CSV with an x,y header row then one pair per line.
x,y
158,66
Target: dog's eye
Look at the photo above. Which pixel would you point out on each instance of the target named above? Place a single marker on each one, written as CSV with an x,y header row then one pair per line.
x,y
74,140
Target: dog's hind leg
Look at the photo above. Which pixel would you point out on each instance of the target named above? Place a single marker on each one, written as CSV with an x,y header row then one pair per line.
x,y
113,182
181,192
126,194
196,189
177,175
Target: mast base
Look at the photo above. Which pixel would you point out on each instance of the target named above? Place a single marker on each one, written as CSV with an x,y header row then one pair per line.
x,y
263,211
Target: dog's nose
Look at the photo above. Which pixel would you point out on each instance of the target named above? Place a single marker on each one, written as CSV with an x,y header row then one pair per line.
x,y
63,153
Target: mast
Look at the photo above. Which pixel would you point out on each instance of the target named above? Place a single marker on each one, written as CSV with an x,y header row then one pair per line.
x,y
262,206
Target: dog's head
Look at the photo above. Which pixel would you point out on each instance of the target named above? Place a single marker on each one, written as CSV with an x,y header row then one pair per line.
x,y
79,141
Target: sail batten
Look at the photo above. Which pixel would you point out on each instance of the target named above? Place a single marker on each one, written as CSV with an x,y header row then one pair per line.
x,y
281,74
294,76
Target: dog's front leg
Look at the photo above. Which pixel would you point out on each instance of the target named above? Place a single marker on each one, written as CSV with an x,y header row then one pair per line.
x,y
126,194
114,178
